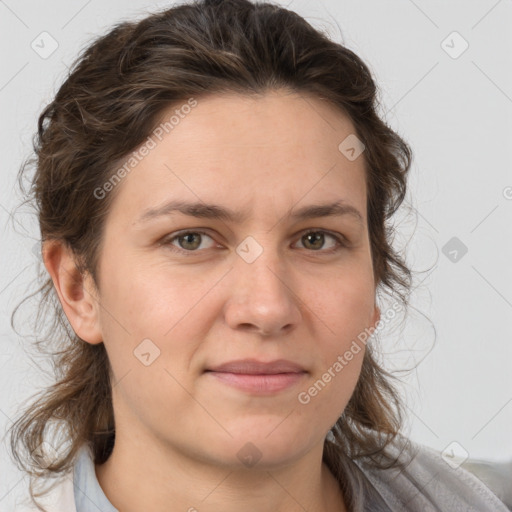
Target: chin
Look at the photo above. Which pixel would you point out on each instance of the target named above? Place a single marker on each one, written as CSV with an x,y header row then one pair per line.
x,y
265,448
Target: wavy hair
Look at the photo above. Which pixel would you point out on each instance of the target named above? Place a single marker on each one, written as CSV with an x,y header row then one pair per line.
x,y
111,101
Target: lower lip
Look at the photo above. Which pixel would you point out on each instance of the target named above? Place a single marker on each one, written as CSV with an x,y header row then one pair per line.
x,y
268,383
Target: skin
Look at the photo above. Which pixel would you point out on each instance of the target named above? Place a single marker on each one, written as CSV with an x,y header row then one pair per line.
x,y
178,430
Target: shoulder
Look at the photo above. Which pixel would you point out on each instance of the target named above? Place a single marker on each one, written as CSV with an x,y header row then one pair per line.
x,y
429,482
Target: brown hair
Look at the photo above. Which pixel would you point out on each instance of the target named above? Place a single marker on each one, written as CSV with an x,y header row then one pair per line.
x,y
110,102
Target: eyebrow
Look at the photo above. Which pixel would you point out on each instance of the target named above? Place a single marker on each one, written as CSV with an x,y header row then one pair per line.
x,y
213,211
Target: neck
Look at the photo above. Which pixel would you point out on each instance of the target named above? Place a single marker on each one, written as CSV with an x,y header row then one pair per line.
x,y
138,476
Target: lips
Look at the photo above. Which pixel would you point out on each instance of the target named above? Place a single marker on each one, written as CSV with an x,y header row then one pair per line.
x,y
257,377
255,367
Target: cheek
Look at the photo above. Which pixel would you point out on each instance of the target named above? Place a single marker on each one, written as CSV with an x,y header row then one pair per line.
x,y
144,318
154,316
343,309
330,389
341,313
148,299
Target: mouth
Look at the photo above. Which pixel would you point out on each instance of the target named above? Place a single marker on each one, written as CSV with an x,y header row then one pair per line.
x,y
259,383
258,377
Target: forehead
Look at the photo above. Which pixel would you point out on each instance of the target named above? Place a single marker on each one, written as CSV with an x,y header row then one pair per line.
x,y
280,118
247,151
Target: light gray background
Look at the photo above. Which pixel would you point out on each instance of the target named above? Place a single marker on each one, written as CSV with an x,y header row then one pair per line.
x,y
457,115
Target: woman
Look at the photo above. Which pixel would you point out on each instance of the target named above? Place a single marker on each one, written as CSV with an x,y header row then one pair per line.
x,y
213,186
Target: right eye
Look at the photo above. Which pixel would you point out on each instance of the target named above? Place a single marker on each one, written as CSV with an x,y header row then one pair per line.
x,y
189,241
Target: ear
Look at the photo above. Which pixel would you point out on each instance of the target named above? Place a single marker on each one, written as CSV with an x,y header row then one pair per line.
x,y
77,293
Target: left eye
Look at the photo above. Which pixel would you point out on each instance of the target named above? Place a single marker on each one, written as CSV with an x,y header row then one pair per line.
x,y
190,241
315,237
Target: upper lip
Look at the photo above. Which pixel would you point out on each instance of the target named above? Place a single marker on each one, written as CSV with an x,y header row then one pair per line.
x,y
255,367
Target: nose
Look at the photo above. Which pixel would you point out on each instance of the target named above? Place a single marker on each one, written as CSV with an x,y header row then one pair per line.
x,y
264,297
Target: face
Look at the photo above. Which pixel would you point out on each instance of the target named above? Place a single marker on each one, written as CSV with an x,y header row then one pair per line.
x,y
182,294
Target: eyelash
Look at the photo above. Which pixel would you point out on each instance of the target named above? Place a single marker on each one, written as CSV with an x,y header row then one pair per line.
x,y
341,241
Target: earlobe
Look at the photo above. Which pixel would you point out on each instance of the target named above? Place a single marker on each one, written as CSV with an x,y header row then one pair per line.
x,y
76,292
